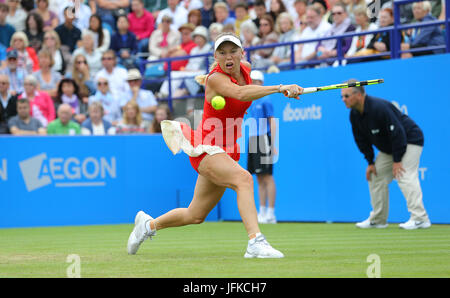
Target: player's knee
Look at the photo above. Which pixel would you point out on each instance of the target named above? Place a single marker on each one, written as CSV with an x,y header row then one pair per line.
x,y
244,180
196,220
195,217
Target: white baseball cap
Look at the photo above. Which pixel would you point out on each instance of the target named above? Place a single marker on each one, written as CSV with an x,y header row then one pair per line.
x,y
256,75
229,38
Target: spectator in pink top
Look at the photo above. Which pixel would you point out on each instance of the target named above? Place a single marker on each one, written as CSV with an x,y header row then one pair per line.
x,y
142,24
42,106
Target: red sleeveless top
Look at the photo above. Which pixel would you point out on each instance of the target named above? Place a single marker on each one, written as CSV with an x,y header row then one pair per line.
x,y
219,128
223,127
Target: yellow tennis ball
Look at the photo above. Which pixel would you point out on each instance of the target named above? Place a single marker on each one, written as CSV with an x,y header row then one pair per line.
x,y
218,102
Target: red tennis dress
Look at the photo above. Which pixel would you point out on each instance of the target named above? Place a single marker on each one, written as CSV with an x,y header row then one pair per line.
x,y
217,133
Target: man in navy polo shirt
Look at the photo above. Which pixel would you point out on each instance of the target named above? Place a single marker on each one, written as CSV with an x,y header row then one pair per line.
x,y
68,33
377,122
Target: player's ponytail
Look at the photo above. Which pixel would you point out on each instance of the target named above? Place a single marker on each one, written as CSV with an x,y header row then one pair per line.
x,y
201,79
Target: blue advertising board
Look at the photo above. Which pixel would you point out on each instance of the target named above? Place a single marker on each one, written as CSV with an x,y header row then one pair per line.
x,y
320,174
75,180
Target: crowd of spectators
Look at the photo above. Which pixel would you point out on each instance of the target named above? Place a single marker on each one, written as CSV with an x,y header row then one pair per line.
x,y
75,67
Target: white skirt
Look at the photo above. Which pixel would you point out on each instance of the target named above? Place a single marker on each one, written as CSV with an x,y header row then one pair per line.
x,y
176,140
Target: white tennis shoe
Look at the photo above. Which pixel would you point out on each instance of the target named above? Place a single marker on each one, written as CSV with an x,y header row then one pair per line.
x,y
261,218
266,219
367,224
271,219
258,247
140,232
414,224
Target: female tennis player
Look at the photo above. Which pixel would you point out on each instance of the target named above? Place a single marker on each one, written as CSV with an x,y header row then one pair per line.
x,y
214,152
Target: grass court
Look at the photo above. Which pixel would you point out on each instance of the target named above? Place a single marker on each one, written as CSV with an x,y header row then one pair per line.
x,y
216,249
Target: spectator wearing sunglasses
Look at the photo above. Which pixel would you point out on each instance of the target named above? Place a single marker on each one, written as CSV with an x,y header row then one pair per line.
x,y
341,25
111,107
116,76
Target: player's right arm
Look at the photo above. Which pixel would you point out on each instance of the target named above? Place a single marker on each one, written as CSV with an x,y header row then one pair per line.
x,y
220,84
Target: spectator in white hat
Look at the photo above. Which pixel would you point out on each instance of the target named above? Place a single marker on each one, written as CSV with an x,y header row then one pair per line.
x,y
144,98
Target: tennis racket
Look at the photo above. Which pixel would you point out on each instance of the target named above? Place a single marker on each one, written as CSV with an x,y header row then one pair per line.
x,y
339,86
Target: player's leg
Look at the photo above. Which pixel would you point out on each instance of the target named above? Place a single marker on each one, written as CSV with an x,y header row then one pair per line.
x,y
206,197
222,170
410,186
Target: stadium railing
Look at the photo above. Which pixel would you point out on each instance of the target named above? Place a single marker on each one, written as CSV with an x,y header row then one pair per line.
x,y
394,53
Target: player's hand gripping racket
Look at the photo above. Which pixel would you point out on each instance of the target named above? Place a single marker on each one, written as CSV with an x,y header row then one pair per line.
x,y
339,86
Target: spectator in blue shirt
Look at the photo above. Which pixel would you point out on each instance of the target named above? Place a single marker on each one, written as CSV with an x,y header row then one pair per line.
x,y
377,122
207,13
262,151
6,30
424,36
222,14
14,72
68,33
111,104
96,123
145,99
124,43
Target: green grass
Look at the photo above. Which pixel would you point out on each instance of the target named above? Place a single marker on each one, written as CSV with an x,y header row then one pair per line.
x,y
216,249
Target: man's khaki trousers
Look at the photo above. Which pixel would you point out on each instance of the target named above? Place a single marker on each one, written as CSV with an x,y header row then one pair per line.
x,y
408,183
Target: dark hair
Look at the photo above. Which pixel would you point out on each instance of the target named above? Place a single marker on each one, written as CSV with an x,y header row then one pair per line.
x,y
4,7
156,127
99,30
241,5
23,100
39,22
321,3
123,16
282,7
60,93
260,3
268,18
68,8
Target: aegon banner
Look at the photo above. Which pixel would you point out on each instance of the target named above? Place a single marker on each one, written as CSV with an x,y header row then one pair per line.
x,y
90,180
